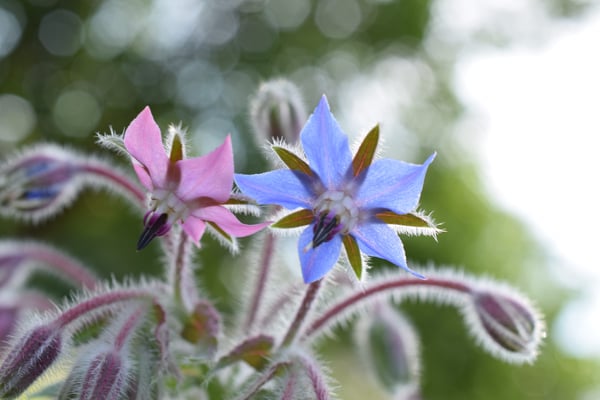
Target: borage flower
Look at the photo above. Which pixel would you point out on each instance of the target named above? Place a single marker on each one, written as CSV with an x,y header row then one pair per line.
x,y
189,190
342,199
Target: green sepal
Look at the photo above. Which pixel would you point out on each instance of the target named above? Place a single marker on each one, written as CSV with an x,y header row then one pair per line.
x,y
364,156
353,253
299,218
254,351
292,161
176,149
224,235
410,219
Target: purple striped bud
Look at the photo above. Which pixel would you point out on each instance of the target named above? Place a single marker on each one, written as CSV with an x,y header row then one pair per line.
x,y
107,377
507,325
277,112
38,183
28,359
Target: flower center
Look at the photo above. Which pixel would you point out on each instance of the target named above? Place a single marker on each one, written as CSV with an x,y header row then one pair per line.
x,y
335,212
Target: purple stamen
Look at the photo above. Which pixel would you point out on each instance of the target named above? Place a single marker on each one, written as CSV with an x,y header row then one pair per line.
x,y
325,229
155,226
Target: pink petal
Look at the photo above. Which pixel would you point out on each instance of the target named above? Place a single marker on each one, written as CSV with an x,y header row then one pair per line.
x,y
144,144
207,176
227,221
195,228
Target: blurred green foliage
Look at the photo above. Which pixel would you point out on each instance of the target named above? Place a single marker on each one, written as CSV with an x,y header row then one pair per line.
x,y
82,67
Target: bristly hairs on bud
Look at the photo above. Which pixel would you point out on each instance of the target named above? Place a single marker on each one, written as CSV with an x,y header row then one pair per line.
x,y
106,366
390,346
504,322
277,111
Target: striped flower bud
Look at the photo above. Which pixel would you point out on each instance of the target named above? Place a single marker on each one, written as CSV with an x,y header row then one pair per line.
x,y
277,112
107,377
28,359
506,324
38,183
391,348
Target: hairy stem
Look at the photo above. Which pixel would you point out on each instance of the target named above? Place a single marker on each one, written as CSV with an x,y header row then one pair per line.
x,y
265,267
309,298
66,266
184,288
124,183
102,300
368,292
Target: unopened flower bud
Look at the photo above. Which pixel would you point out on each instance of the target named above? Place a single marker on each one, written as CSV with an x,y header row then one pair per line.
x,y
202,328
38,183
507,325
28,359
277,111
107,377
391,348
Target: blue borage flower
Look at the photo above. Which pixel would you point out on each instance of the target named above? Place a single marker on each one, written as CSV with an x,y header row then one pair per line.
x,y
343,200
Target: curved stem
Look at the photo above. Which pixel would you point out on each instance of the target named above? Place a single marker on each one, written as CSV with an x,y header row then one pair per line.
x,y
124,183
309,298
67,266
265,266
377,289
129,326
101,300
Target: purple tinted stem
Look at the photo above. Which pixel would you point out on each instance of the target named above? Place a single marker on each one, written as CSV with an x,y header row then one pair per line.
x,y
378,289
122,181
309,298
101,300
265,266
65,265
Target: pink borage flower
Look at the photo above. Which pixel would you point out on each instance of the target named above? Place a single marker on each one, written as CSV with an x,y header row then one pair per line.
x,y
189,190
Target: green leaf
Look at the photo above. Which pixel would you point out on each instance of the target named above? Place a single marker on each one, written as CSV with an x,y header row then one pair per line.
x,y
353,253
295,219
292,161
364,156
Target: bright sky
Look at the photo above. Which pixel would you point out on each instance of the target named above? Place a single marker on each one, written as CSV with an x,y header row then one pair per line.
x,y
541,107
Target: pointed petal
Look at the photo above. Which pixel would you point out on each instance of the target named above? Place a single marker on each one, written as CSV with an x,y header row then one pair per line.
x,y
282,187
226,221
207,176
326,146
393,185
379,240
144,144
316,262
195,228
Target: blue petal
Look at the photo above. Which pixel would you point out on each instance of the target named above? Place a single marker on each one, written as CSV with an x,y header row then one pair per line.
x,y
379,240
316,262
282,187
326,146
392,184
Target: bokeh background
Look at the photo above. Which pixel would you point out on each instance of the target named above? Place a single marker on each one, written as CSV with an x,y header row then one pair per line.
x,y
506,91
